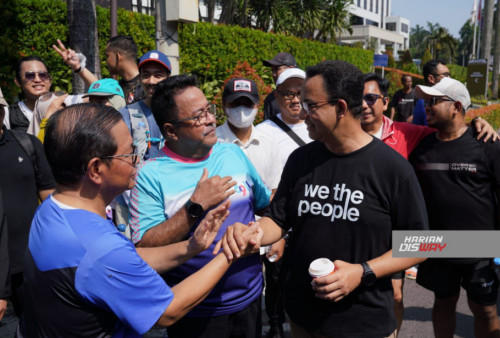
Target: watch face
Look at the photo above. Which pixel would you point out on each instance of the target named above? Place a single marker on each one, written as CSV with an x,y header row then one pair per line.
x,y
195,210
369,279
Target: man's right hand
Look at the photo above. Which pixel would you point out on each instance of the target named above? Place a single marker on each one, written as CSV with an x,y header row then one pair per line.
x,y
240,240
211,191
68,55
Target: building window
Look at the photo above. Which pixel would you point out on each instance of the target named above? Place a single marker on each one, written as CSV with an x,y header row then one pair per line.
x,y
376,8
366,4
356,20
371,5
370,22
359,3
404,28
390,26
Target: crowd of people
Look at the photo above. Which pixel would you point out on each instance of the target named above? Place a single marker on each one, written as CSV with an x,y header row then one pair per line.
x,y
127,207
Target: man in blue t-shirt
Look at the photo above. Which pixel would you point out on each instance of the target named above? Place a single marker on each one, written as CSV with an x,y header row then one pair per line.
x,y
169,199
83,277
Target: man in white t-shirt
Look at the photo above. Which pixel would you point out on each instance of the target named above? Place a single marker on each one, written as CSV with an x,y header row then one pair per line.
x,y
287,93
293,135
240,103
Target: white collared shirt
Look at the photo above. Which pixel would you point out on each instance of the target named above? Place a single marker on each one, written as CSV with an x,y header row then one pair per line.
x,y
286,145
260,150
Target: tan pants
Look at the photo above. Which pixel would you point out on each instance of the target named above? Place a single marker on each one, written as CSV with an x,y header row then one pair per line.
x,y
300,332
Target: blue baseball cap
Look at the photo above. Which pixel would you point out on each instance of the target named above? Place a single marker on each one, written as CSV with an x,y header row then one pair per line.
x,y
105,87
155,56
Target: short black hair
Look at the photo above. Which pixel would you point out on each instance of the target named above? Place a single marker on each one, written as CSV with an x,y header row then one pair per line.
x,y
342,81
383,84
430,67
123,44
27,59
405,75
76,134
163,104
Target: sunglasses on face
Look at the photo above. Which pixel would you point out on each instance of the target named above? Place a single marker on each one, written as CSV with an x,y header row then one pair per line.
x,y
436,100
31,76
371,99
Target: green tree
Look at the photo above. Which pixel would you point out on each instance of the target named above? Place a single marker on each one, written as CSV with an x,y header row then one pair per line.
x,y
337,19
464,50
439,39
426,57
417,36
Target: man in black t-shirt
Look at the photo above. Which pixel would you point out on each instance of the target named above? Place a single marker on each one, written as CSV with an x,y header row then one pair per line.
x,y
22,185
121,58
336,196
404,101
460,180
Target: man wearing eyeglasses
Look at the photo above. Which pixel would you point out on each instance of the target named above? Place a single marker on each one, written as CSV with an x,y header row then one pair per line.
x,y
287,129
341,203
169,200
460,180
433,71
278,64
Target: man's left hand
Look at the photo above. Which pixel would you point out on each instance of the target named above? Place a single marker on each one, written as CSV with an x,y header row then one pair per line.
x,y
337,285
485,131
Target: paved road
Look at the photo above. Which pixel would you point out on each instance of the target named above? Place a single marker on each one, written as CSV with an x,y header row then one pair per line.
x,y
417,322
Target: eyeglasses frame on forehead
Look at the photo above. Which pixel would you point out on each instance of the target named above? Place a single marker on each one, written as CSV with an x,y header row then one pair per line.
x,y
31,76
210,109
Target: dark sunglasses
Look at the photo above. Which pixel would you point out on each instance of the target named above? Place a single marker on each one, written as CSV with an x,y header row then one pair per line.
x,y
370,99
31,76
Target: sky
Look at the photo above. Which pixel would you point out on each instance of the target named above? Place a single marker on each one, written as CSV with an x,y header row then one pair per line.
x,y
451,14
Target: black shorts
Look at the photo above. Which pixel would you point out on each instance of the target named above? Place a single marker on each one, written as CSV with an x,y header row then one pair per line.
x,y
245,323
444,279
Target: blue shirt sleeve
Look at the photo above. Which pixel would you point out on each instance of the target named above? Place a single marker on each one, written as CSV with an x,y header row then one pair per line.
x,y
126,117
147,194
419,116
114,277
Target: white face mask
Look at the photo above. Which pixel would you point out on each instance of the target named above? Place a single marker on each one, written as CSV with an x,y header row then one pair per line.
x,y
241,116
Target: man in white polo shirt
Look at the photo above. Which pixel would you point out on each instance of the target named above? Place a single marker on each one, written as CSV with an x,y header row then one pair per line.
x,y
287,129
240,101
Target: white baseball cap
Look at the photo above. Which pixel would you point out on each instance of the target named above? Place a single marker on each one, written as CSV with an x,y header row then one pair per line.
x,y
449,87
289,73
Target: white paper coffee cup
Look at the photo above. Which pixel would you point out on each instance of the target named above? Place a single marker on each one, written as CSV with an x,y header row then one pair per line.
x,y
321,267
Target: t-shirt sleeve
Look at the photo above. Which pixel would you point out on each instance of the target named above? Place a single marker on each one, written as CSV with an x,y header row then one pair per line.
x,y
146,204
126,117
279,205
410,212
492,152
115,278
44,178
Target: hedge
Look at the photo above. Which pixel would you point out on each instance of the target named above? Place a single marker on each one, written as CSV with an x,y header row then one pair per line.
x,y
30,27
211,52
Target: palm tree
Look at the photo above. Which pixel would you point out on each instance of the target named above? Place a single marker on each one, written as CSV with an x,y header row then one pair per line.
x,y
417,37
337,19
440,39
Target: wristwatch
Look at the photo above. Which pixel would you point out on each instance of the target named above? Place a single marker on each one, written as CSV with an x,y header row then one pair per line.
x,y
193,209
368,277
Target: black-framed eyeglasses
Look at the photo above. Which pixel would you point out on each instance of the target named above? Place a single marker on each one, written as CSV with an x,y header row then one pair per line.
x,y
289,96
371,99
436,100
202,117
311,106
446,74
31,76
134,156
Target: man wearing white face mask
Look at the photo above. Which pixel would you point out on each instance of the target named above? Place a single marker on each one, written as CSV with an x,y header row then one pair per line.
x,y
241,102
